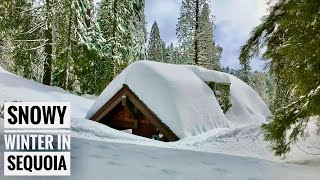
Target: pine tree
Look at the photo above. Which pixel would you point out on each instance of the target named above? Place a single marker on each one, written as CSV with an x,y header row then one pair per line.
x,y
196,36
271,88
244,73
169,53
77,38
60,43
5,46
140,33
155,46
258,83
116,22
208,55
20,38
48,49
187,29
289,34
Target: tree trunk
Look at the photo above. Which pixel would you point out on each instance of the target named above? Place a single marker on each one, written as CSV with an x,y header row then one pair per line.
x,y
88,18
47,66
66,64
196,48
114,28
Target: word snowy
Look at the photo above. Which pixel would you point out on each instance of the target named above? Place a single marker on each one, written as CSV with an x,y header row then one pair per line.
x,y
36,114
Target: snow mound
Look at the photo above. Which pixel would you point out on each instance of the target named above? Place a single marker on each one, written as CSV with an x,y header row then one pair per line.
x,y
247,106
180,97
84,128
15,88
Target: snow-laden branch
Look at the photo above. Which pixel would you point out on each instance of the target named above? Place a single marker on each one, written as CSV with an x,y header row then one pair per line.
x,y
29,40
33,29
34,48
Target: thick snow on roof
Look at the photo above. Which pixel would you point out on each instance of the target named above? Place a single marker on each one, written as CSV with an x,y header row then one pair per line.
x,y
179,96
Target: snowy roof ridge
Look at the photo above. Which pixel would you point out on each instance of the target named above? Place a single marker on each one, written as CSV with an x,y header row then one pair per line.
x,y
211,75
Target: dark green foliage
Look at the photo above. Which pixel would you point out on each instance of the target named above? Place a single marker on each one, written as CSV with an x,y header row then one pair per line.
x,y
290,34
94,71
195,31
19,23
156,47
84,57
222,93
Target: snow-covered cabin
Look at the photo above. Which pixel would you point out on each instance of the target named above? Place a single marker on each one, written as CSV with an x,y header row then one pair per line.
x,y
154,99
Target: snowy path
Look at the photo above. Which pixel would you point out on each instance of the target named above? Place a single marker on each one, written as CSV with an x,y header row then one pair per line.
x,y
103,160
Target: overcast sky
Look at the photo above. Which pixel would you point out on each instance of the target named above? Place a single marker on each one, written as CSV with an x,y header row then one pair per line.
x,y
234,20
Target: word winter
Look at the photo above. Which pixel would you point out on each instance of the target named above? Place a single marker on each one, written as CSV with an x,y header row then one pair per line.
x,y
37,142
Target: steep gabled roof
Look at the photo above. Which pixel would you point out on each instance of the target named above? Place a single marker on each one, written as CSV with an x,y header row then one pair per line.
x,y
126,92
177,94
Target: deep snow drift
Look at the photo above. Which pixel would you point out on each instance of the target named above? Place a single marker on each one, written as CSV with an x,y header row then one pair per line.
x,y
14,88
180,97
100,160
239,140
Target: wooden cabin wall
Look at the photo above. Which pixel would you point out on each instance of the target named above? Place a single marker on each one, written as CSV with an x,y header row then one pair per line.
x,y
120,118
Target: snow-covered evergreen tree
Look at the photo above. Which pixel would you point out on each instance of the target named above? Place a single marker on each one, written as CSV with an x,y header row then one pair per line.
x,y
208,54
21,38
155,46
259,84
76,38
288,35
195,34
116,19
140,31
169,55
186,29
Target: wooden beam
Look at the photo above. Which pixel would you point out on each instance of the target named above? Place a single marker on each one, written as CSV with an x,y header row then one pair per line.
x,y
107,107
122,124
124,100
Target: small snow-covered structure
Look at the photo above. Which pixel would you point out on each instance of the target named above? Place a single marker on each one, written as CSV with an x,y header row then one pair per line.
x,y
173,100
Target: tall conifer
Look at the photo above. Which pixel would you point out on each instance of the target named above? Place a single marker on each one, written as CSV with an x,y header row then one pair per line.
x,y
155,47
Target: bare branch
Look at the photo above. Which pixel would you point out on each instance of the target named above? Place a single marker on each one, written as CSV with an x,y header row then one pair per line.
x,y
234,135
315,154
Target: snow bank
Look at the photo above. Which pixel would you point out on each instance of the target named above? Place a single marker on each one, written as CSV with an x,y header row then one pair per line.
x,y
93,130
179,96
247,106
14,88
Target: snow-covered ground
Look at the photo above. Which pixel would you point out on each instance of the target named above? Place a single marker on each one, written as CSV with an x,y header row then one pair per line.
x,y
101,160
98,151
14,88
